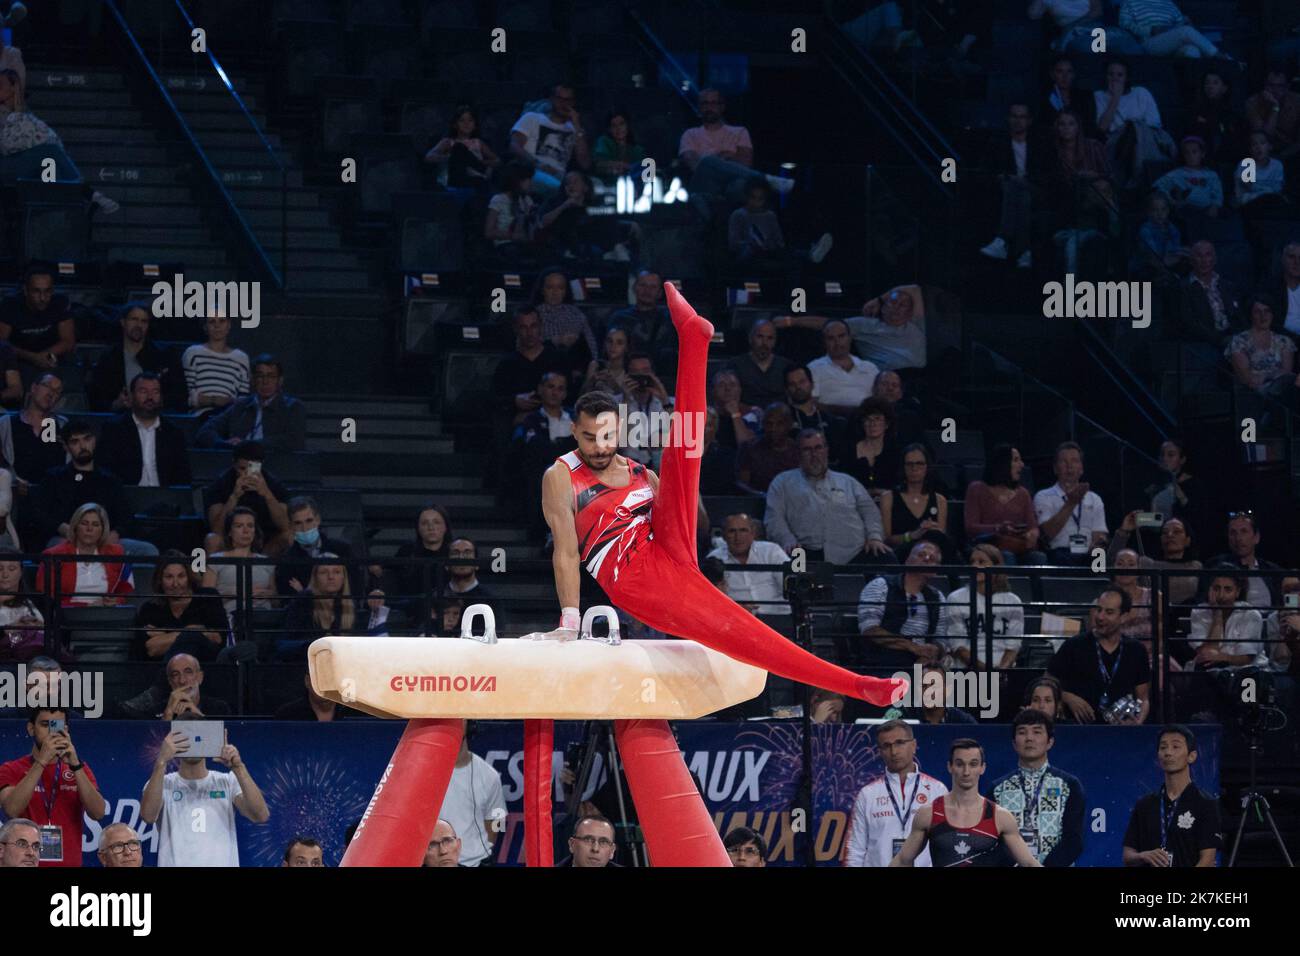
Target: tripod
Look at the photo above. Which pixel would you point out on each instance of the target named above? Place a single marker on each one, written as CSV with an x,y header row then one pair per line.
x,y
598,736
1256,801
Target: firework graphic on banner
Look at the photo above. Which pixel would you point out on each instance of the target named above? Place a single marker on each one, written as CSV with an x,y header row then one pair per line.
x,y
309,797
844,755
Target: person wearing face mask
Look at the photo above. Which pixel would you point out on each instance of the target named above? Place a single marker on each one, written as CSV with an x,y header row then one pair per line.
x,y
310,541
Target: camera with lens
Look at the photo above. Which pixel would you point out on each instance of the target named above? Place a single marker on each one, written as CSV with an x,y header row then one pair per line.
x,y
810,587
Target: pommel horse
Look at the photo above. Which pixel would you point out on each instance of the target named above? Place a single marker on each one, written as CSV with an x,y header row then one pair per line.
x,y
433,683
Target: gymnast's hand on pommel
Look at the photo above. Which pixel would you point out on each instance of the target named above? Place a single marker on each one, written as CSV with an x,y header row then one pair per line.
x,y
557,506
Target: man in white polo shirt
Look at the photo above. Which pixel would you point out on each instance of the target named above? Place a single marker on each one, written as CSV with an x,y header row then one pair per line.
x,y
749,588
841,380
1071,518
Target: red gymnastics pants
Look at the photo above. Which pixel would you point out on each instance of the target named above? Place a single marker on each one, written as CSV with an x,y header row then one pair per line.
x,y
661,584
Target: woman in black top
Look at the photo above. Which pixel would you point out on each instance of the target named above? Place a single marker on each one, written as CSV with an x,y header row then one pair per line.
x,y
875,457
181,618
432,538
469,160
325,607
914,510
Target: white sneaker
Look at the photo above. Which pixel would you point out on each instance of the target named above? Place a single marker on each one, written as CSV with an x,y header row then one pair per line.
x,y
106,206
821,247
997,249
1025,260
782,184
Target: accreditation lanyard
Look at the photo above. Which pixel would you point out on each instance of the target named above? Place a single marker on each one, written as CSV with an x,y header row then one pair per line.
x,y
904,816
1033,801
51,795
1078,512
1108,676
1166,817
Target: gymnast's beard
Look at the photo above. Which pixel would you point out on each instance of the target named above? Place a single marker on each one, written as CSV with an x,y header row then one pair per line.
x,y
599,462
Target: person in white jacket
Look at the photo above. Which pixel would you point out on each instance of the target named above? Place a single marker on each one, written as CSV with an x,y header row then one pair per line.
x,y
884,809
1227,631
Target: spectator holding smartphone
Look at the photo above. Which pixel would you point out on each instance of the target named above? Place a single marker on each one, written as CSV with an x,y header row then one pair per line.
x,y
67,788
176,801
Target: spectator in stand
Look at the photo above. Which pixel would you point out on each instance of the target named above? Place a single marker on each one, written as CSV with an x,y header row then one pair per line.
x,y
1243,543
311,706
248,484
20,840
1048,803
512,220
721,157
266,415
841,380
564,325
1016,162
1096,222
309,542
1263,360
1176,554
718,463
760,370
1149,839
172,800
740,422
180,691
1136,623
750,589
1128,118
1071,517
960,628
1184,496
1211,304
568,231
326,606
647,320
240,539
617,152
875,459
462,577
433,537
1100,667
1191,186
547,142
444,846
890,333
21,442
11,58
827,513
909,420
215,372
1064,97
762,459
107,387
51,786
83,583
1282,630
1263,197
66,487
1275,110
474,804
36,322
11,386
913,510
754,236
303,851
612,361
141,447
1044,696
649,400
514,383
901,615
544,435
592,843
8,530
120,846
1077,164
1289,291
22,625
1226,631
1217,121
1160,244
1074,20
182,617
808,411
745,847
469,160
1163,30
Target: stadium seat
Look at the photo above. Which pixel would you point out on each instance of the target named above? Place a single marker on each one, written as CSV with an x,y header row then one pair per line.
x,y
99,634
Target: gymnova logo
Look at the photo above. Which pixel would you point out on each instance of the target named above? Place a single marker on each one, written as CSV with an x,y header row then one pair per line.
x,y
196,300
1098,300
77,909
443,682
967,690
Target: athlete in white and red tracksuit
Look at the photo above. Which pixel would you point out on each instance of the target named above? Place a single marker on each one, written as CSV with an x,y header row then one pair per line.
x,y
635,532
875,831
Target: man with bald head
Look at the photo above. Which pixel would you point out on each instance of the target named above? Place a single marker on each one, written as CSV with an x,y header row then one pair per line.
x,y
1211,303
119,845
841,380
183,692
444,846
760,370
750,588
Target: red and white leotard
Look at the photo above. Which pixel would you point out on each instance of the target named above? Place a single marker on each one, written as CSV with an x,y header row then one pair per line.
x,y
608,520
